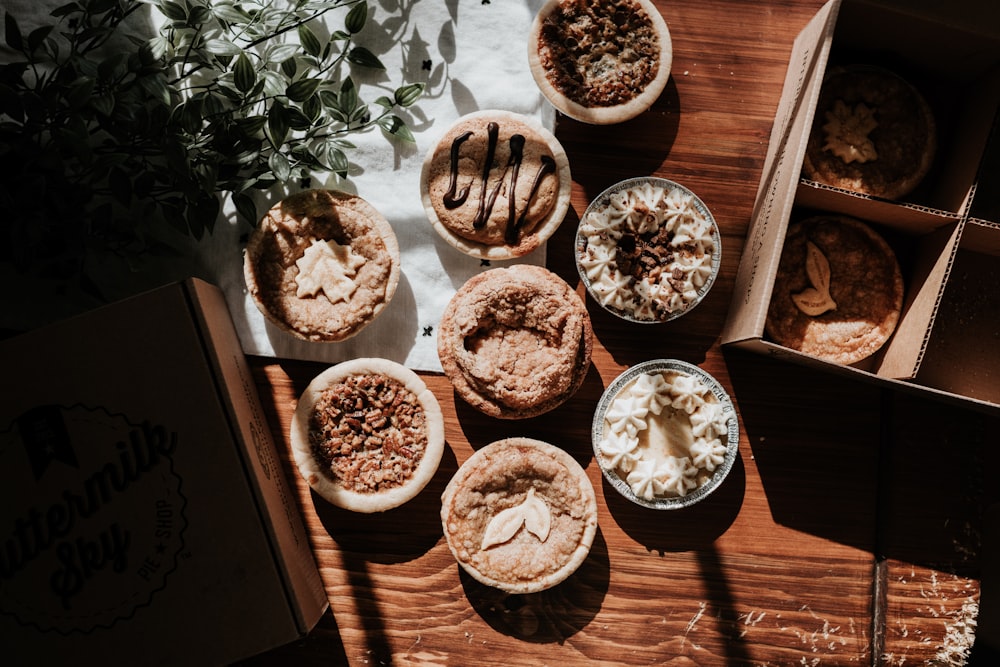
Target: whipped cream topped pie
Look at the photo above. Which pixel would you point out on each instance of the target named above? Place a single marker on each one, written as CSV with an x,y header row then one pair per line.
x,y
600,61
873,133
496,185
519,515
665,434
838,291
648,249
322,264
367,434
515,341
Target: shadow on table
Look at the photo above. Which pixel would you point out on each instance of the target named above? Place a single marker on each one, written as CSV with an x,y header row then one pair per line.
x,y
550,616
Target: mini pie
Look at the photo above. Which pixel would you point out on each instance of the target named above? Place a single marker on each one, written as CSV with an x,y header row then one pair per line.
x,y
367,434
665,434
873,133
516,341
838,291
600,61
519,515
648,249
496,185
322,264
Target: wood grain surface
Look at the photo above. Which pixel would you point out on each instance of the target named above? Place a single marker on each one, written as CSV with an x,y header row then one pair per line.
x,y
847,533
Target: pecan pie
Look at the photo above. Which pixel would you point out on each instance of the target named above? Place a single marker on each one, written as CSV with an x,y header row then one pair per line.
x,y
519,515
367,434
496,185
838,291
516,341
873,133
600,61
322,264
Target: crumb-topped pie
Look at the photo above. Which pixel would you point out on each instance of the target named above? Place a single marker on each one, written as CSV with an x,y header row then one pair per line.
x,y
648,249
367,434
496,185
519,515
665,434
873,133
838,290
600,61
515,341
322,264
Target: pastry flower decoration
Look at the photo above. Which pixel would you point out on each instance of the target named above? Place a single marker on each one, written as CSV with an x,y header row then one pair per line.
x,y
815,300
847,132
327,266
533,513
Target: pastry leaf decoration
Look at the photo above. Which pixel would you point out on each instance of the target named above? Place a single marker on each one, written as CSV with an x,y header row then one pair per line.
x,y
848,132
533,514
815,300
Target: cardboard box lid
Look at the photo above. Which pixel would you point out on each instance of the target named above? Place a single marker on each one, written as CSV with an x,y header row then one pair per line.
x,y
136,517
782,165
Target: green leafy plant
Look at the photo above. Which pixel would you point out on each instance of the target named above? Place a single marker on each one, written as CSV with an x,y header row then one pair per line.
x,y
107,135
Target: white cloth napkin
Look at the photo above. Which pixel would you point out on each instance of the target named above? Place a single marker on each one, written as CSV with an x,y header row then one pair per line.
x,y
472,55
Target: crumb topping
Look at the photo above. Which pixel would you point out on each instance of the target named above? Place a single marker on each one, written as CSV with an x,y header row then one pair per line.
x,y
599,53
368,432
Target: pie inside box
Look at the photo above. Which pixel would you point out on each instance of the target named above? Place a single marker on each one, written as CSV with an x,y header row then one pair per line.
x,y
144,508
945,233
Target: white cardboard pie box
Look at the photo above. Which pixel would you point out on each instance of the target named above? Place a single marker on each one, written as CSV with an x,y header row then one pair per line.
x,y
946,233
145,516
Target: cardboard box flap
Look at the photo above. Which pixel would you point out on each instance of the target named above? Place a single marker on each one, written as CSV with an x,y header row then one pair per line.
x,y
901,356
776,192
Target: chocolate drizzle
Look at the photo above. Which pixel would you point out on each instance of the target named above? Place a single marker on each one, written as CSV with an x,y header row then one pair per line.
x,y
488,197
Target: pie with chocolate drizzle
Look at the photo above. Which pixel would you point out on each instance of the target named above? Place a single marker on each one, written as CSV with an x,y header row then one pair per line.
x,y
496,185
600,61
838,291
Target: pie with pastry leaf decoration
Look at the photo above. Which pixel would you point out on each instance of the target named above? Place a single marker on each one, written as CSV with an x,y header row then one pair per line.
x,y
838,291
600,61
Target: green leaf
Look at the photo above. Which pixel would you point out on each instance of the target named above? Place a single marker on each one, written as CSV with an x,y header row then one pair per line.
x,y
244,74
277,124
347,100
121,185
309,40
222,47
359,55
280,53
225,11
335,159
173,10
280,166
302,89
385,102
407,95
153,50
156,87
12,33
38,36
395,126
356,18
246,207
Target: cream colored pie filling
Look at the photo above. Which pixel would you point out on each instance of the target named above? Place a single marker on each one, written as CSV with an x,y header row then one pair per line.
x,y
665,434
368,433
648,251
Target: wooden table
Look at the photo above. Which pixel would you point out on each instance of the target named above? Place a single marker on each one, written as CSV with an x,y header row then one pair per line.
x,y
847,533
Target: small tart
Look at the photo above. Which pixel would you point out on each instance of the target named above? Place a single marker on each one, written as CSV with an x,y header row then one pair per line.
x,y
322,264
600,61
516,341
838,291
873,133
665,434
367,434
648,250
496,185
519,515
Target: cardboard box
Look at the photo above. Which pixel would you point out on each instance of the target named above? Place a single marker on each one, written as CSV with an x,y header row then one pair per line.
x,y
144,513
951,52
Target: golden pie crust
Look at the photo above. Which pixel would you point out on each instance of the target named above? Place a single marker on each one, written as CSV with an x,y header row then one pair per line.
x,y
864,282
280,243
466,184
367,434
516,341
600,61
873,133
520,515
